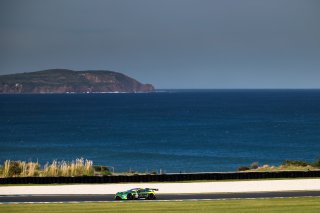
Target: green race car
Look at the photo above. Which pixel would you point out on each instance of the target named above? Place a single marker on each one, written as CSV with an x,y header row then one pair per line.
x,y
136,193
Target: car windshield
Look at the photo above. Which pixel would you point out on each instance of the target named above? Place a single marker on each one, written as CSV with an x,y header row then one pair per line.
x,y
131,190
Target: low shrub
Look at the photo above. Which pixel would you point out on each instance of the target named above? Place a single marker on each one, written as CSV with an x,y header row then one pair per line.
x,y
101,170
316,163
254,165
12,168
295,163
243,168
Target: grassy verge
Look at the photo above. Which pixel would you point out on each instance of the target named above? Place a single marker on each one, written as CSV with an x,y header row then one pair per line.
x,y
260,205
287,165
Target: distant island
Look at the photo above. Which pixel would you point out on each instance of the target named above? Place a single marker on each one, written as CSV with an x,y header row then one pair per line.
x,y
69,81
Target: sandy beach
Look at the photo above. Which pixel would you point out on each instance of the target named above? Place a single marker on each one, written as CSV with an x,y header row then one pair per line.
x,y
168,188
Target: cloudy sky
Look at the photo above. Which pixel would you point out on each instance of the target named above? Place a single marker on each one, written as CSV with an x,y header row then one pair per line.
x,y
169,43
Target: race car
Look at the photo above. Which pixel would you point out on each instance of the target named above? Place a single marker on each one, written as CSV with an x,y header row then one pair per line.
x,y
136,193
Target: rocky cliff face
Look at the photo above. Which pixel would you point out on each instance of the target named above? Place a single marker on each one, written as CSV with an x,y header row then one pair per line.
x,y
69,81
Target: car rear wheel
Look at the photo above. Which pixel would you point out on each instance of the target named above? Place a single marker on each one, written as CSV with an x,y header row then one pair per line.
x,y
118,198
151,197
130,197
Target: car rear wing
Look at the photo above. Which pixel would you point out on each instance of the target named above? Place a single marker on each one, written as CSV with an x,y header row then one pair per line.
x,y
153,189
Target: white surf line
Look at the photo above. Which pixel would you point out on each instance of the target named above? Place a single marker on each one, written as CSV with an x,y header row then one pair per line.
x,y
179,200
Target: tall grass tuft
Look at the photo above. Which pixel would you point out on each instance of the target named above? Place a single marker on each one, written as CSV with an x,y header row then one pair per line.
x,y
88,168
53,169
6,168
33,169
65,169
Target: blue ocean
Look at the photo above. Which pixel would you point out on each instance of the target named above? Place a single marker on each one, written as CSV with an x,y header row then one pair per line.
x,y
171,130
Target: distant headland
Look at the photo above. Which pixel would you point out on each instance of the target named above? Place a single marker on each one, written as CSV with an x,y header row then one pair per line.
x,y
69,81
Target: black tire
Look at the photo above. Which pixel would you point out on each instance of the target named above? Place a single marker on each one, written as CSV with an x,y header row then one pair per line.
x,y
129,197
151,197
118,198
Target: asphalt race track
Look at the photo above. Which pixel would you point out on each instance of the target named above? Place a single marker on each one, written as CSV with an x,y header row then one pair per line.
x,y
101,198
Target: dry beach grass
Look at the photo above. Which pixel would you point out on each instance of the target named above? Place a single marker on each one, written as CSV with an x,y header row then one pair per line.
x,y
77,167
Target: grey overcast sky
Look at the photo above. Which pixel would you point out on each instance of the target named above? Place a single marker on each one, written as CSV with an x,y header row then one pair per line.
x,y
169,43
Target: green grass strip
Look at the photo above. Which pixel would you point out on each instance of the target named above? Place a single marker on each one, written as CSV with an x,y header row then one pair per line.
x,y
291,205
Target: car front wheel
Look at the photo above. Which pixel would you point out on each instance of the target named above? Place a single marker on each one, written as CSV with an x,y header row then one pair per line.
x,y
130,197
